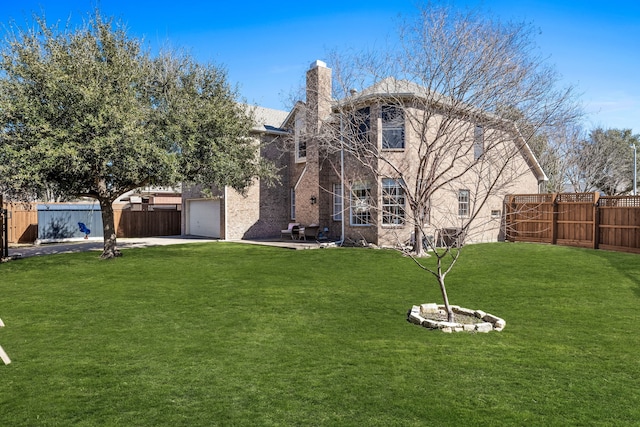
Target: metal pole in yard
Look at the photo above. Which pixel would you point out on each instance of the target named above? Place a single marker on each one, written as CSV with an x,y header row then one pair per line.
x,y
635,169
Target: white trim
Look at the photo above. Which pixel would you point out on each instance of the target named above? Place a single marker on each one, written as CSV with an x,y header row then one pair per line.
x,y
226,216
295,187
541,175
298,137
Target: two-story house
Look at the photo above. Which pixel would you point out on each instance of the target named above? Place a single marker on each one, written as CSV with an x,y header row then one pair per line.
x,y
378,162
373,165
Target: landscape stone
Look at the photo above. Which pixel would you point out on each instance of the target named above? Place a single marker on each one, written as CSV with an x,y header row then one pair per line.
x,y
432,324
417,316
499,325
484,327
465,311
414,318
490,318
429,308
479,314
449,324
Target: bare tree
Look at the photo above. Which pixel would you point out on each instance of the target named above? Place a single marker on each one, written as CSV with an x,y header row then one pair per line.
x,y
433,122
555,148
603,162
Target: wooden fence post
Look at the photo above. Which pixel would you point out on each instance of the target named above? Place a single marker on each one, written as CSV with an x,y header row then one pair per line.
x,y
511,224
507,220
554,219
596,220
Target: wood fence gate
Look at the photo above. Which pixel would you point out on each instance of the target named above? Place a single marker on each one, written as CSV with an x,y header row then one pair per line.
x,y
575,219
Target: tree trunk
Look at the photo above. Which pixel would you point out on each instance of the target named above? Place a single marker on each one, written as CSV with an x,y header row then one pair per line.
x,y
418,248
108,226
447,307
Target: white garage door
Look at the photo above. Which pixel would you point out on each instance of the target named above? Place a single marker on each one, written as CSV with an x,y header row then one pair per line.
x,y
203,218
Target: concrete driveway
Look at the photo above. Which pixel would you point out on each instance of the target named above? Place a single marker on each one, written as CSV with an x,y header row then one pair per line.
x,y
22,251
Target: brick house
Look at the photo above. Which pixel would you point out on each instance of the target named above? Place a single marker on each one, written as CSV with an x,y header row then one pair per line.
x,y
228,215
315,176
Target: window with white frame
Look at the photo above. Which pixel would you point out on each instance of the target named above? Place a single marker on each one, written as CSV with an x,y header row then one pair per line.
x,y
393,202
337,202
299,139
361,204
463,203
293,203
392,127
478,142
358,129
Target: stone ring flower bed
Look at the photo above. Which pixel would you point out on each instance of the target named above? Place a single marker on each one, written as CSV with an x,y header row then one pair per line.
x,y
430,315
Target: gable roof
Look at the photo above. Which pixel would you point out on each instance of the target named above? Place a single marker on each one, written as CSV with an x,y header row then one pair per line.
x,y
392,88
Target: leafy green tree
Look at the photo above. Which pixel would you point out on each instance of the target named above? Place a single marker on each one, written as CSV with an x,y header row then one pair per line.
x,y
87,112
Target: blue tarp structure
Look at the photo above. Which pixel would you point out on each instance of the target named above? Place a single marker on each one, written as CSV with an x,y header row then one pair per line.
x,y
60,221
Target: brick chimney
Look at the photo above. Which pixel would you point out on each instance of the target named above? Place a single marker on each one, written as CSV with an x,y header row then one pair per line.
x,y
318,109
318,95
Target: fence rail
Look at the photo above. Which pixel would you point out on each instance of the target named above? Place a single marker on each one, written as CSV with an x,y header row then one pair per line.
x,y
575,219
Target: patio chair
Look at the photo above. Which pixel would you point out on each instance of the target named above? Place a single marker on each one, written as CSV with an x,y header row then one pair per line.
x,y
289,231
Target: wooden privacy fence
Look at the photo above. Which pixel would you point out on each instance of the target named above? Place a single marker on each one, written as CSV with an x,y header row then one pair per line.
x,y
22,222
575,219
147,223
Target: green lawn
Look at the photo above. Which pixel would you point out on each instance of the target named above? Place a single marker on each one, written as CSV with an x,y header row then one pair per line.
x,y
239,335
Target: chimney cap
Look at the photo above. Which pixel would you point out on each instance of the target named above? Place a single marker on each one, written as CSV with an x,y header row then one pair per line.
x,y
317,63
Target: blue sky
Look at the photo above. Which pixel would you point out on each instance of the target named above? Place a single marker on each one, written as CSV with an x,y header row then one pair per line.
x,y
267,46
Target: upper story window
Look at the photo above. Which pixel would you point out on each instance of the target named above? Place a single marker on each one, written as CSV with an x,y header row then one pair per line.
x,y
393,202
392,127
299,139
478,142
357,133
